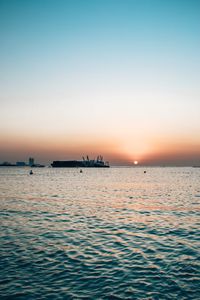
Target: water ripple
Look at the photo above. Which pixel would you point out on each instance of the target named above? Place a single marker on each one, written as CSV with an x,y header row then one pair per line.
x,y
107,234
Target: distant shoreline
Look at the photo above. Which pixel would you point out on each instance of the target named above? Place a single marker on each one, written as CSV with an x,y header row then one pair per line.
x,y
133,167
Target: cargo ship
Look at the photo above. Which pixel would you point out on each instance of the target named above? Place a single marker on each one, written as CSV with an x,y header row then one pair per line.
x,y
84,163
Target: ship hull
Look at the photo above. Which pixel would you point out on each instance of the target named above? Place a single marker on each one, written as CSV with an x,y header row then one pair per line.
x,y
77,164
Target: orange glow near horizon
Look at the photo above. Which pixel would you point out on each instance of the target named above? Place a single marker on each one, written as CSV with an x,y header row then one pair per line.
x,y
46,149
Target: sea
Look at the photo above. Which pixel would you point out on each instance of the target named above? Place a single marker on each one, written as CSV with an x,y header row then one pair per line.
x,y
113,233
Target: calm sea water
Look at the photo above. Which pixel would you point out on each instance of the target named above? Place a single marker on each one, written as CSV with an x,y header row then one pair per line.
x,y
113,233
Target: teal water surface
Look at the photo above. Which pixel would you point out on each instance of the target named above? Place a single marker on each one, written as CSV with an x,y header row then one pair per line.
x,y
115,233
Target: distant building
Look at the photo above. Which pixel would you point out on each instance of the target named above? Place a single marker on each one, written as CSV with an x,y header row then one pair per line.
x,y
31,161
20,163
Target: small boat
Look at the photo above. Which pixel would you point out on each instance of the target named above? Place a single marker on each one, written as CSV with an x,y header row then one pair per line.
x,y
31,172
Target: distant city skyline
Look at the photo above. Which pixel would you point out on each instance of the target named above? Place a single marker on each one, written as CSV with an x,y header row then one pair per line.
x,y
118,78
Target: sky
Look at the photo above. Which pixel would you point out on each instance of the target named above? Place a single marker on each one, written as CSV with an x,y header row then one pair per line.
x,y
118,78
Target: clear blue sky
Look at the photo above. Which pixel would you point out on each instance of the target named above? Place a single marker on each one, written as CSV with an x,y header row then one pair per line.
x,y
119,77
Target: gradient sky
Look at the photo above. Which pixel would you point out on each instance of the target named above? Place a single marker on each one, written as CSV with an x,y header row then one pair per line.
x,y
113,77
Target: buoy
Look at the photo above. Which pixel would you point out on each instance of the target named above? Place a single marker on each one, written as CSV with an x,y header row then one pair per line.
x,y
145,171
81,171
31,172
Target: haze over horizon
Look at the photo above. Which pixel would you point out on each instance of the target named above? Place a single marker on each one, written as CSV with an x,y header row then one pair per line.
x,y
118,78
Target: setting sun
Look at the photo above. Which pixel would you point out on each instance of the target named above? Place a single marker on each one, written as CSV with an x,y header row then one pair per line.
x,y
135,162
